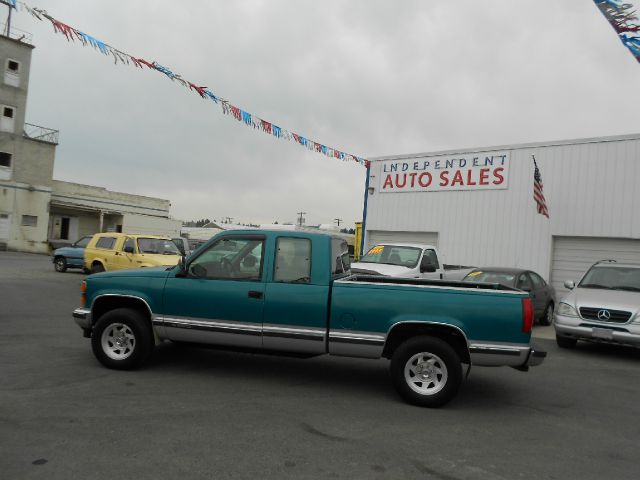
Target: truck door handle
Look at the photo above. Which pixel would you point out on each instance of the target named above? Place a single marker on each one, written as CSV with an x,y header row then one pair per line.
x,y
255,294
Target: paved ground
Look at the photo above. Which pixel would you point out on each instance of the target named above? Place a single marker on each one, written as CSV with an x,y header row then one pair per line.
x,y
199,413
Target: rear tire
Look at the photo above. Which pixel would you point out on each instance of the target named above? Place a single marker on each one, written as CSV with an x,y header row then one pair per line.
x,y
60,264
566,342
547,317
426,371
97,268
122,339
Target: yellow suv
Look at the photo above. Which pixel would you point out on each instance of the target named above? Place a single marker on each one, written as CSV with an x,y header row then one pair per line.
x,y
118,251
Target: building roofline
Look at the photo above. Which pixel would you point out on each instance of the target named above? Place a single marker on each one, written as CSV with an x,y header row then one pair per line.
x,y
552,143
19,42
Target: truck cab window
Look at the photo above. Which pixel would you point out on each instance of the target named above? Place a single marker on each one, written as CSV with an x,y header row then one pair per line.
x,y
293,260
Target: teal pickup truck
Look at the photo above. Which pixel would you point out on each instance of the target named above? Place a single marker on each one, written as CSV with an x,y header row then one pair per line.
x,y
293,293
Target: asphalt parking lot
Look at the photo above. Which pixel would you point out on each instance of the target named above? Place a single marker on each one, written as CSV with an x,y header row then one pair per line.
x,y
200,413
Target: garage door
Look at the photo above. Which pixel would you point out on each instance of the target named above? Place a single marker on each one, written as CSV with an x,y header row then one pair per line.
x,y
376,237
572,256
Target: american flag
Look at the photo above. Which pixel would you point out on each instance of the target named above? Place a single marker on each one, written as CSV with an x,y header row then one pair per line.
x,y
538,195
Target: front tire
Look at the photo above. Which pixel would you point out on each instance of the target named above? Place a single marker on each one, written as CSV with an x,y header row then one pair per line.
x,y
122,339
60,264
426,371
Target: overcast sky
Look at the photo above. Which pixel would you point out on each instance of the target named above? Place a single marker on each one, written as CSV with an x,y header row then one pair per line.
x,y
368,77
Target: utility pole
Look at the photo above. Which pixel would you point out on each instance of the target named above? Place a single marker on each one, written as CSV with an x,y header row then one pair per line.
x,y
338,220
301,218
8,27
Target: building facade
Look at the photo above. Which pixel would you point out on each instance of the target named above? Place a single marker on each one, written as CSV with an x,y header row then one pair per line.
x,y
477,205
27,154
38,213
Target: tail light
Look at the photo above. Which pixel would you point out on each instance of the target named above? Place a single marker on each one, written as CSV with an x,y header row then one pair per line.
x,y
83,292
527,315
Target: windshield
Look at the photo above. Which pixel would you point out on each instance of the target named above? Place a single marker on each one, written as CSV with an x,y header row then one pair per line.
x,y
393,255
491,277
612,278
159,246
82,243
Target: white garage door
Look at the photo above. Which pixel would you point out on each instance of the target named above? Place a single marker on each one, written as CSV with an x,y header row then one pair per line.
x,y
572,256
376,237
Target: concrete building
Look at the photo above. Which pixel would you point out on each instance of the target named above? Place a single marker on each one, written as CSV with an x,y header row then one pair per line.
x,y
36,211
27,154
477,204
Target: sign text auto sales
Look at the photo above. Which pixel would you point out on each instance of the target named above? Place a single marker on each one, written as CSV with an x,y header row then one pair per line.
x,y
486,171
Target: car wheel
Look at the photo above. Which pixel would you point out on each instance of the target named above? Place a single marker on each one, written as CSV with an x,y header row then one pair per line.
x,y
60,264
547,317
97,268
426,371
122,339
566,342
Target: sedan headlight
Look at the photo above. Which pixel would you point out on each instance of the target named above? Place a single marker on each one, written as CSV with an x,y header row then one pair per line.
x,y
566,310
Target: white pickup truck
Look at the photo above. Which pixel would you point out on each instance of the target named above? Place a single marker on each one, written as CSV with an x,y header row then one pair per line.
x,y
407,260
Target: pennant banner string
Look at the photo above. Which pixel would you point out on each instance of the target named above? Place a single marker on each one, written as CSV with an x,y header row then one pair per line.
x,y
625,20
72,34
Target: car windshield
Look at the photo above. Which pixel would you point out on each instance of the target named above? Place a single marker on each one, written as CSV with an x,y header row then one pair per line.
x,y
393,255
612,278
491,277
82,243
159,246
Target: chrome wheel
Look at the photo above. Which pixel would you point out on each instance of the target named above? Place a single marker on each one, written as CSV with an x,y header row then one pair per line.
x,y
118,341
425,373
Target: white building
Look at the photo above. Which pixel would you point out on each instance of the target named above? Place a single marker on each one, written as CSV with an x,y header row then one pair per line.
x,y
477,204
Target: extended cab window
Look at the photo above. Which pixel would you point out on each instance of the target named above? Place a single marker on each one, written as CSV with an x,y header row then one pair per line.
x,y
340,260
106,242
293,260
231,258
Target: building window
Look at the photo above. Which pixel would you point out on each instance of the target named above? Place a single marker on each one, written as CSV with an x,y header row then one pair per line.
x,y
5,159
12,73
13,66
7,120
29,221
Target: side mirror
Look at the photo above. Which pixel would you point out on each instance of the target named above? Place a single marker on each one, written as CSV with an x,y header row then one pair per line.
x,y
128,249
198,271
570,284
